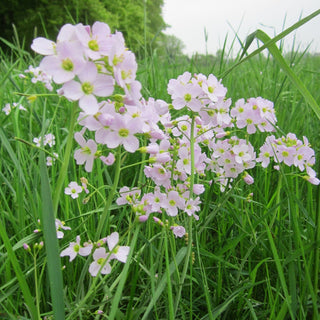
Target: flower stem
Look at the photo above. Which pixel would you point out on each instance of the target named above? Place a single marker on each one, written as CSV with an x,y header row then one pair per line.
x,y
102,227
188,260
36,283
169,286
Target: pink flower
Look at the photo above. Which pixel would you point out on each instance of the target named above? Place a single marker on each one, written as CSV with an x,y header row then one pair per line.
x,y
192,206
87,152
122,133
66,64
311,177
173,202
95,40
128,196
187,96
247,178
75,248
109,160
178,231
213,88
60,225
73,190
91,84
100,263
198,188
119,253
241,153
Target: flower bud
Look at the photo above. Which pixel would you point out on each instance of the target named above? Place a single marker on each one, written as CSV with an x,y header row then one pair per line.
x,y
26,247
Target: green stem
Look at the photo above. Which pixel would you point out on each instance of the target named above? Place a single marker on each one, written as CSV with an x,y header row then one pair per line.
x,y
169,286
21,277
105,214
65,164
317,256
188,260
36,283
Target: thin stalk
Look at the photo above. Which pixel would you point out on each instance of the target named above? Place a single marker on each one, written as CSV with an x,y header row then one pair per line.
x,y
188,260
19,274
317,254
169,286
36,283
65,164
102,227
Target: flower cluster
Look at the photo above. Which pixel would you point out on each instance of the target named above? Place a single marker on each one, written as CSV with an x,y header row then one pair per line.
x,y
101,258
38,75
253,114
9,107
292,152
206,142
48,140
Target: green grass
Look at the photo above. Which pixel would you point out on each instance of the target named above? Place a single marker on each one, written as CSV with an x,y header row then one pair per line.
x,y
254,259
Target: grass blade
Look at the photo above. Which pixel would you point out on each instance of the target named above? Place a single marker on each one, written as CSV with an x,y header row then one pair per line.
x,y
124,273
288,71
162,284
271,46
280,271
19,274
51,243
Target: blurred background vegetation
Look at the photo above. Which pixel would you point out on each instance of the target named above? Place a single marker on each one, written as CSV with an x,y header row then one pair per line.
x,y
140,21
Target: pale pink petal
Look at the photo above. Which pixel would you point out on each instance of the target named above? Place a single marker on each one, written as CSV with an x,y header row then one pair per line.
x,y
106,268
69,252
85,251
113,140
43,46
89,104
103,85
72,90
66,32
88,73
80,139
94,268
131,144
112,240
122,253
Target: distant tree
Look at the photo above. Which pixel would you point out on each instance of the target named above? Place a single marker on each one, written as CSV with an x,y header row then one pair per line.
x,y
170,46
140,20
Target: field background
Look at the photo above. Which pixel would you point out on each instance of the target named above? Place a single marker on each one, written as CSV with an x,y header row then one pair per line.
x,y
255,259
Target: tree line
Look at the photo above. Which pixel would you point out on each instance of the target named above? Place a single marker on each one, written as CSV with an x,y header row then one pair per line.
x,y
140,21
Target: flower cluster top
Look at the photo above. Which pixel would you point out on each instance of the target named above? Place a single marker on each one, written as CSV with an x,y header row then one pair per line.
x,y
206,136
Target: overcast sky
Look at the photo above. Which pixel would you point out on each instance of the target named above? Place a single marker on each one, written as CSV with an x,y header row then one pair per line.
x,y
189,18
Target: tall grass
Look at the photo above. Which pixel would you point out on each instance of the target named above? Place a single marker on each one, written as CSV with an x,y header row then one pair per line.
x,y
252,257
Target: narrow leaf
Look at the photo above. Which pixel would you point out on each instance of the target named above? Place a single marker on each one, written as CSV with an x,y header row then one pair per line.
x,y
162,284
19,274
51,243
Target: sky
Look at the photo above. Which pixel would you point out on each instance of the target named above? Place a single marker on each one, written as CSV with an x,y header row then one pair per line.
x,y
189,19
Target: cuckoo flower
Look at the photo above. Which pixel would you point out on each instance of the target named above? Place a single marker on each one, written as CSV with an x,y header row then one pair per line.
x,y
75,248
101,261
65,64
95,40
91,85
87,152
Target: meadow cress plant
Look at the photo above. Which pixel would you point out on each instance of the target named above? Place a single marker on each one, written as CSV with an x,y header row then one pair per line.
x,y
197,139
9,107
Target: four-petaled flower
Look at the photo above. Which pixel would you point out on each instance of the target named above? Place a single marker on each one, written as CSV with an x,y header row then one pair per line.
x,y
73,190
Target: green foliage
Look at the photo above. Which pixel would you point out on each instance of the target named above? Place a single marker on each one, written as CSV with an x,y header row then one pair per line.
x,y
140,21
253,258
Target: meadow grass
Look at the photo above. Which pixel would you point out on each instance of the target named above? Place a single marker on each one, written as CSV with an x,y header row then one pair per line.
x,y
248,257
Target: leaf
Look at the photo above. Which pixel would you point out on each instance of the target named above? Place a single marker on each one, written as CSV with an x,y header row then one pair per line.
x,y
19,274
273,49
163,282
51,243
